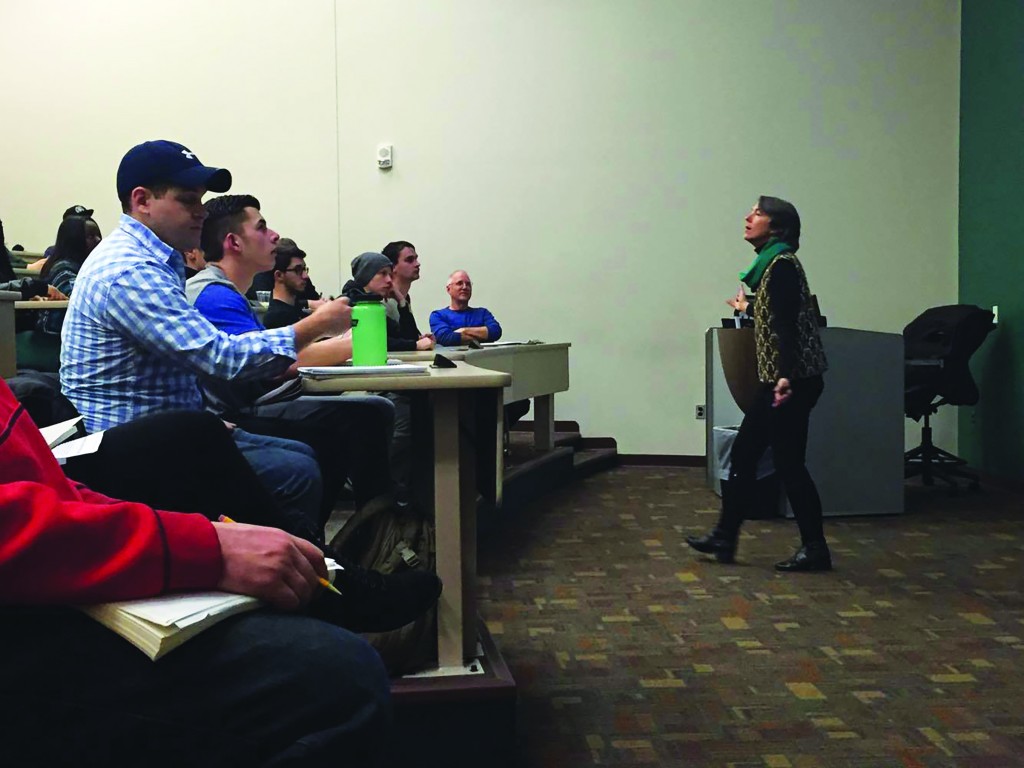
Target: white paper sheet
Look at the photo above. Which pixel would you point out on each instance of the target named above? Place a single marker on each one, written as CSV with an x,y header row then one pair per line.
x,y
80,447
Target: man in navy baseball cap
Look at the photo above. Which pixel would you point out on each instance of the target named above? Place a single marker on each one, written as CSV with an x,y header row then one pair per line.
x,y
166,163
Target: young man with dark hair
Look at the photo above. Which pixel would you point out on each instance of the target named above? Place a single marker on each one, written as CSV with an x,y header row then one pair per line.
x,y
405,263
291,277
350,434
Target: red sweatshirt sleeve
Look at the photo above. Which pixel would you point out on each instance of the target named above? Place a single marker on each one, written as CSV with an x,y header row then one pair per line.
x,y
67,551
62,545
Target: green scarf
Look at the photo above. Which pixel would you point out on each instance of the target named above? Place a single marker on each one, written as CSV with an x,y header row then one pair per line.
x,y
774,246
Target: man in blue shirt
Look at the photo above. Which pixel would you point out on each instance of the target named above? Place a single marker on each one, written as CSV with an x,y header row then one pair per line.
x,y
349,434
459,323
131,343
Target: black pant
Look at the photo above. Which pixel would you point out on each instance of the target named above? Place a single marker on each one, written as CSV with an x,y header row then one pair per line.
x,y
784,429
182,461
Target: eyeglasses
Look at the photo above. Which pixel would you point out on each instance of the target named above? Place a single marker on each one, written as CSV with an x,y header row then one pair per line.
x,y
297,270
463,284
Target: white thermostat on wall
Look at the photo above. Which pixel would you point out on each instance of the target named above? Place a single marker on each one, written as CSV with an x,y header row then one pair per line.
x,y
383,155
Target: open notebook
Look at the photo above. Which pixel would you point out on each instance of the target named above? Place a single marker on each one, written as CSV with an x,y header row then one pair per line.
x,y
158,625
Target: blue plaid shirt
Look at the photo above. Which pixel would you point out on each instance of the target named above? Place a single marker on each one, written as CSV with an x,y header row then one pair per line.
x,y
132,344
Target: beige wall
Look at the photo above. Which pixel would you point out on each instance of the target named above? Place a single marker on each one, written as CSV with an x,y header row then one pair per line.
x,y
588,162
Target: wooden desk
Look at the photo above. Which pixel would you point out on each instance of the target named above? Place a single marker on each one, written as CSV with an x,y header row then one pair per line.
x,y
538,371
451,391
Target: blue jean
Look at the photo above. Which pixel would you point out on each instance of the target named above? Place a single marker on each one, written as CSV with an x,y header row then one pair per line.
x,y
289,471
259,689
349,436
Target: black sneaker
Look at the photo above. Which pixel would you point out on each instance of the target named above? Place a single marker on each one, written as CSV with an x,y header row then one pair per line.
x,y
376,602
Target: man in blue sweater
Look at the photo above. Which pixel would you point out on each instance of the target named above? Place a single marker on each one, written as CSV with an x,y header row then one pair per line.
x,y
459,323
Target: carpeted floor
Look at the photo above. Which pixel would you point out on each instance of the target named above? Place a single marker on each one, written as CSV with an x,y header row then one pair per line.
x,y
629,649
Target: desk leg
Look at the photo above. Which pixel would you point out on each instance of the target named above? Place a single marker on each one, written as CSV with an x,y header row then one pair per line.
x,y
544,422
499,450
455,517
8,355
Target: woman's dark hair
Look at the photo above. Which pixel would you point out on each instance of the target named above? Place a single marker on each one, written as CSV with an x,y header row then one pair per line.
x,y
785,219
70,245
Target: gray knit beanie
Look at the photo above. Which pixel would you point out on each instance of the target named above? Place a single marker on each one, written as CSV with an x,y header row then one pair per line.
x,y
366,265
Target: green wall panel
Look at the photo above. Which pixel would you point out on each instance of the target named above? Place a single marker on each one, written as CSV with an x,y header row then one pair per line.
x,y
991,435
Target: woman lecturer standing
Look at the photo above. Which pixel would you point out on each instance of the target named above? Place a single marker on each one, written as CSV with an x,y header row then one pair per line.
x,y
790,364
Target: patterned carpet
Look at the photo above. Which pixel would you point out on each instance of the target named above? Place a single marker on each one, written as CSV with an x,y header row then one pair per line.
x,y
629,649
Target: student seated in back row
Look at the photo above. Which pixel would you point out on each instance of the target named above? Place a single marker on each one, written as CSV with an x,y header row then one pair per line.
x,y
372,280
405,264
459,323
77,236
291,279
28,287
310,298
271,687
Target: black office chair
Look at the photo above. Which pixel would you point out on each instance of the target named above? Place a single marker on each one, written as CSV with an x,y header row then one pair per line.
x,y
938,345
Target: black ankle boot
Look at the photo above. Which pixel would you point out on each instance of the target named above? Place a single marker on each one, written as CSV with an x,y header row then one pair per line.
x,y
723,547
810,557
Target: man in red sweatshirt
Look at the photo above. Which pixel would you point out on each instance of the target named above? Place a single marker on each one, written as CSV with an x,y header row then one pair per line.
x,y
265,688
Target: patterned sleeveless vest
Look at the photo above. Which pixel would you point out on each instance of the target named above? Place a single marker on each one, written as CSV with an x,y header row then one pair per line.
x,y
811,356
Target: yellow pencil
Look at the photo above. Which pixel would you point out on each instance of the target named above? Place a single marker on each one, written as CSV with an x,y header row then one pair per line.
x,y
323,582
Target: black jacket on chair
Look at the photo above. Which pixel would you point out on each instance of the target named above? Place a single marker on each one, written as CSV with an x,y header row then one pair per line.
x,y
938,345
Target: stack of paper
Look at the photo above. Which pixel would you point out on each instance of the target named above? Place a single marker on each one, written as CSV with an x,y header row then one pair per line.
x,y
391,369
158,625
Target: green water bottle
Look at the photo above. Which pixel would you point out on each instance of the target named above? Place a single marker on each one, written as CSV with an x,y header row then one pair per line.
x,y
369,334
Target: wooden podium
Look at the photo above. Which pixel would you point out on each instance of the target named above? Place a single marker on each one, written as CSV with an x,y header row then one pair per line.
x,y
855,445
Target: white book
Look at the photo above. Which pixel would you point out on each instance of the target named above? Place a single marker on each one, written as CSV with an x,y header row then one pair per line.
x,y
158,625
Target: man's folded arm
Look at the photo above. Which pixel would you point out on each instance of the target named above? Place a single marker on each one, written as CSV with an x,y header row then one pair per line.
x,y
444,332
492,325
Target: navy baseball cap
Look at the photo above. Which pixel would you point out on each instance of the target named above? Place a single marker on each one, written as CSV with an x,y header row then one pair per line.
x,y
167,162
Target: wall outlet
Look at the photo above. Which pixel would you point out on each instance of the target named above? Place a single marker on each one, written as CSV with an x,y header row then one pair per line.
x,y
995,315
699,412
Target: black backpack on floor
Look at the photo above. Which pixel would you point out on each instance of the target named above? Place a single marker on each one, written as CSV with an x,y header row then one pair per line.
x,y
385,537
